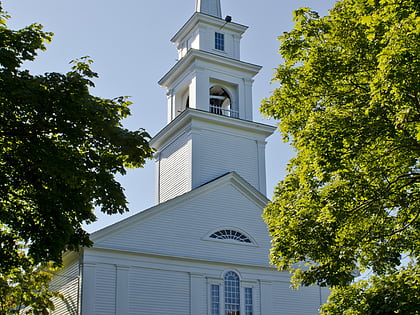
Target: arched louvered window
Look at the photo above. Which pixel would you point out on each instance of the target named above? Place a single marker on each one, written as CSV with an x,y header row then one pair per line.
x,y
231,235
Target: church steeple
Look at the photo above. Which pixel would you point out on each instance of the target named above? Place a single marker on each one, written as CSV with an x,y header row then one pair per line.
x,y
209,7
210,131
209,74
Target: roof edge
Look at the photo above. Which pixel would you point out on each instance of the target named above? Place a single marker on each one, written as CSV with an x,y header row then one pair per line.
x,y
246,188
190,113
208,19
194,54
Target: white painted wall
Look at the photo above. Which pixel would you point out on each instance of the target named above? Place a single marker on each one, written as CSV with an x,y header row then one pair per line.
x,y
221,152
158,291
181,230
161,261
67,282
174,169
199,147
158,285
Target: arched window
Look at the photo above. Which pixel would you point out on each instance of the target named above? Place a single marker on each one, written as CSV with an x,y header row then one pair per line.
x,y
232,294
230,235
225,296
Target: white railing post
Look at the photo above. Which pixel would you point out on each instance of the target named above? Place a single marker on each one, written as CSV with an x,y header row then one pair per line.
x,y
223,111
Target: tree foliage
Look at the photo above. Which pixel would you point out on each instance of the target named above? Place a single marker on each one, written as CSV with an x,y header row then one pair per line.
x,y
397,293
349,102
24,290
60,149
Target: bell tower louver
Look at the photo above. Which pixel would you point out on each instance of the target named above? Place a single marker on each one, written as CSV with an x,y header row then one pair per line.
x,y
210,131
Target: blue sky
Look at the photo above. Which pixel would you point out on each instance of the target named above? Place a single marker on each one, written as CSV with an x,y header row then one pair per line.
x,y
129,43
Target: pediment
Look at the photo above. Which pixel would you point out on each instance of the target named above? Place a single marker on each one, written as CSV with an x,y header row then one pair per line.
x,y
182,227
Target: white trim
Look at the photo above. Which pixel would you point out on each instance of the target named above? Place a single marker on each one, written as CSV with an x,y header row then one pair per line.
x,y
266,297
185,119
209,20
121,291
207,57
88,288
196,287
210,282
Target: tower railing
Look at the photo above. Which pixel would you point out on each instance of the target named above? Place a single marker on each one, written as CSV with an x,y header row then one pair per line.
x,y
223,111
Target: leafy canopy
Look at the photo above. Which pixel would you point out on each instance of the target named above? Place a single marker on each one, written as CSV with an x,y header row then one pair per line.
x,y
60,149
397,293
26,288
349,102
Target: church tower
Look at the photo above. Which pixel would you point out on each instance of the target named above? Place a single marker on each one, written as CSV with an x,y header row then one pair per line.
x,y
210,131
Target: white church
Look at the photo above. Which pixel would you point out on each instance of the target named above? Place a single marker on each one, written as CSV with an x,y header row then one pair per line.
x,y
203,249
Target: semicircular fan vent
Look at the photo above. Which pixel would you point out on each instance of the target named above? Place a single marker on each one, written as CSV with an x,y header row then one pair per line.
x,y
230,235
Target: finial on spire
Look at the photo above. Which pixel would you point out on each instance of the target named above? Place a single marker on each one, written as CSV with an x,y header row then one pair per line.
x,y
210,7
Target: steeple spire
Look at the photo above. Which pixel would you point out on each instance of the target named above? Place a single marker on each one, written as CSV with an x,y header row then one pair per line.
x,y
210,7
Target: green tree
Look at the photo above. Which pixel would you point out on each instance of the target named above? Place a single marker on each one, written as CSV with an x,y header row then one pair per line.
x,y
60,150
25,290
397,293
349,102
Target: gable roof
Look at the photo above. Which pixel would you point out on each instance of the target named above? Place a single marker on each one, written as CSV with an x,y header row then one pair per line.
x,y
242,185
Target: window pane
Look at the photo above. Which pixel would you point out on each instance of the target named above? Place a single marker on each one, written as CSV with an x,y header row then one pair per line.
x,y
232,294
215,298
248,301
219,42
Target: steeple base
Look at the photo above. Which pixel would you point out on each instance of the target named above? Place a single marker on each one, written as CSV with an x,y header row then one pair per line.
x,y
198,147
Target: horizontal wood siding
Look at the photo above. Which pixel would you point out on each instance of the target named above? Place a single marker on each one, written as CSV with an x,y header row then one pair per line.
x,y
175,169
169,286
221,152
105,286
182,231
66,281
158,292
304,301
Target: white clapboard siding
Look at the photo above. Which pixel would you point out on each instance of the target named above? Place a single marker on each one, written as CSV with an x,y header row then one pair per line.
x,y
221,153
105,289
70,304
158,292
303,301
198,147
158,285
183,230
67,282
175,169
170,262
